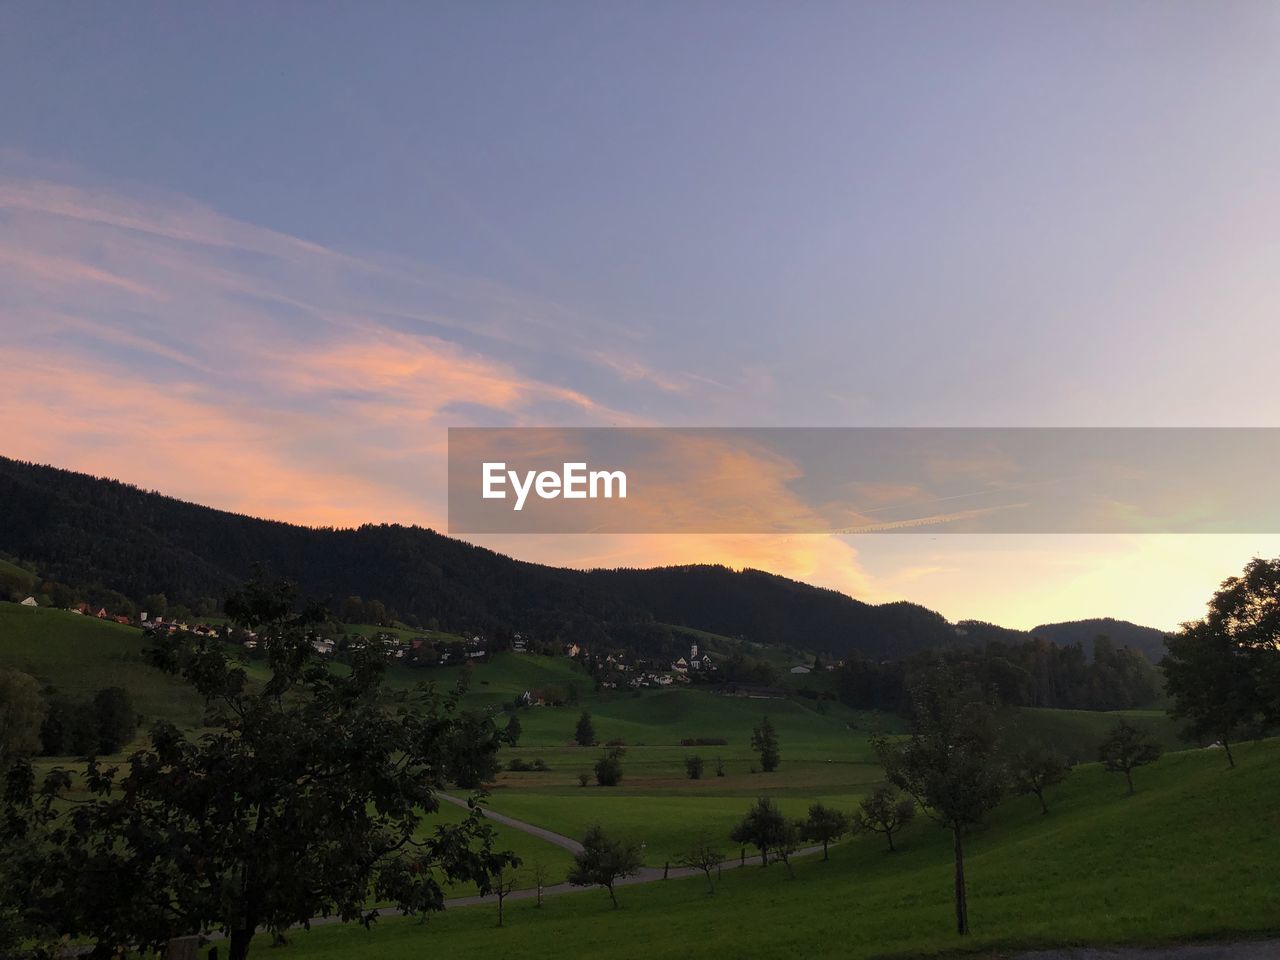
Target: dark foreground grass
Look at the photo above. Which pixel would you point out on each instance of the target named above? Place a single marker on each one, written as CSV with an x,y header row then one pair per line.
x,y
1193,855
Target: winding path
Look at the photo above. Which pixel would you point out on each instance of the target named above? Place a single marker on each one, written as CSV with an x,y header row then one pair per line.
x,y
644,875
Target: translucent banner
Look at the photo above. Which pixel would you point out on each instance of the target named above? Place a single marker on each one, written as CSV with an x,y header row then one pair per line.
x,y
864,480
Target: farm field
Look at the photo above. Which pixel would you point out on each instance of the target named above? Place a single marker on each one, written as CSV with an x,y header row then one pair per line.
x,y
1100,868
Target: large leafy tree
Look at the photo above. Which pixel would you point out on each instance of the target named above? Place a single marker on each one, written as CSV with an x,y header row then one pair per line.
x,y
1223,671
947,763
309,795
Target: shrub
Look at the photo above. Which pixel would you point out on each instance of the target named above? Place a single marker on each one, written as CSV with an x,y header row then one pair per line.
x,y
693,767
704,742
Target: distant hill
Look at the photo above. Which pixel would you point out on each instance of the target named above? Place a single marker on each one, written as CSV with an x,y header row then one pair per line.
x,y
83,530
1146,640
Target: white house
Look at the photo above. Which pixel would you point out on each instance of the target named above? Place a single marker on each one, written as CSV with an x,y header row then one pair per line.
x,y
30,602
802,668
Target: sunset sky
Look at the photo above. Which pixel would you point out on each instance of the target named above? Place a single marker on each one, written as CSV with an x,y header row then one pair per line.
x,y
263,257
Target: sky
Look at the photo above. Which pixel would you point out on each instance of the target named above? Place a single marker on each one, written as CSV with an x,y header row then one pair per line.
x,y
262,257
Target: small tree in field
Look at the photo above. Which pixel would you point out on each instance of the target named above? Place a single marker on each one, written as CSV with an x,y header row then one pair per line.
x,y
604,861
584,735
788,842
503,883
886,811
948,764
764,827
764,741
693,767
1033,771
609,767
825,825
539,874
1127,748
704,856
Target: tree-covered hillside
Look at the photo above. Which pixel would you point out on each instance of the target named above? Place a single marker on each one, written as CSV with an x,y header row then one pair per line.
x,y
90,532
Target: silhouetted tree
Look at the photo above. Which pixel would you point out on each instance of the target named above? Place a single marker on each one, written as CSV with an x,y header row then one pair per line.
x,y
1223,672
703,855
1126,748
825,825
603,861
948,764
764,741
1033,771
886,811
585,733
609,767
764,827
693,767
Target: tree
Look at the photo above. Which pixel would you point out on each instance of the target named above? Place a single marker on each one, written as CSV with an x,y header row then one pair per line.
x,y
825,825
155,605
764,827
585,733
513,730
503,883
306,796
609,767
1033,771
705,856
788,842
947,763
1126,748
115,719
604,861
886,811
1223,672
22,712
471,750
693,767
764,741
539,874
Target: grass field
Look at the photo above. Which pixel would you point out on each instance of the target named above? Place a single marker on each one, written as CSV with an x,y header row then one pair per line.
x,y
1192,855
80,655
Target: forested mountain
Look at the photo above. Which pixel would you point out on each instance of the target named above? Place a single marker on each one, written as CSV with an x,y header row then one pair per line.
x,y
1122,633
97,533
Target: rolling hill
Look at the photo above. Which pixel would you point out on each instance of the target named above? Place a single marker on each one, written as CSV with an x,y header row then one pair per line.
x,y
87,531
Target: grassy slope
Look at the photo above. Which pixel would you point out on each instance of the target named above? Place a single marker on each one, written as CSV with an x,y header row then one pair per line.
x,y
1192,855
80,655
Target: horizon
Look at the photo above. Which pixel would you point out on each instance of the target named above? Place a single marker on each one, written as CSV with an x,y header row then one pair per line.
x,y
307,253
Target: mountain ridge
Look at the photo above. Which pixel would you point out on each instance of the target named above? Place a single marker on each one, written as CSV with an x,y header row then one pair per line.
x,y
84,529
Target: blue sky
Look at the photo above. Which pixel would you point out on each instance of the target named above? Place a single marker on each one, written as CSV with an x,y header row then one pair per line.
x,y
324,233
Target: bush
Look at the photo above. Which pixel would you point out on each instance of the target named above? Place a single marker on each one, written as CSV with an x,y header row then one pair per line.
x,y
540,765
516,765
584,779
704,742
609,768
693,767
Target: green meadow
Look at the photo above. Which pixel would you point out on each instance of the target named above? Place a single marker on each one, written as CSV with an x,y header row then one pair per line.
x,y
1102,867
1191,856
